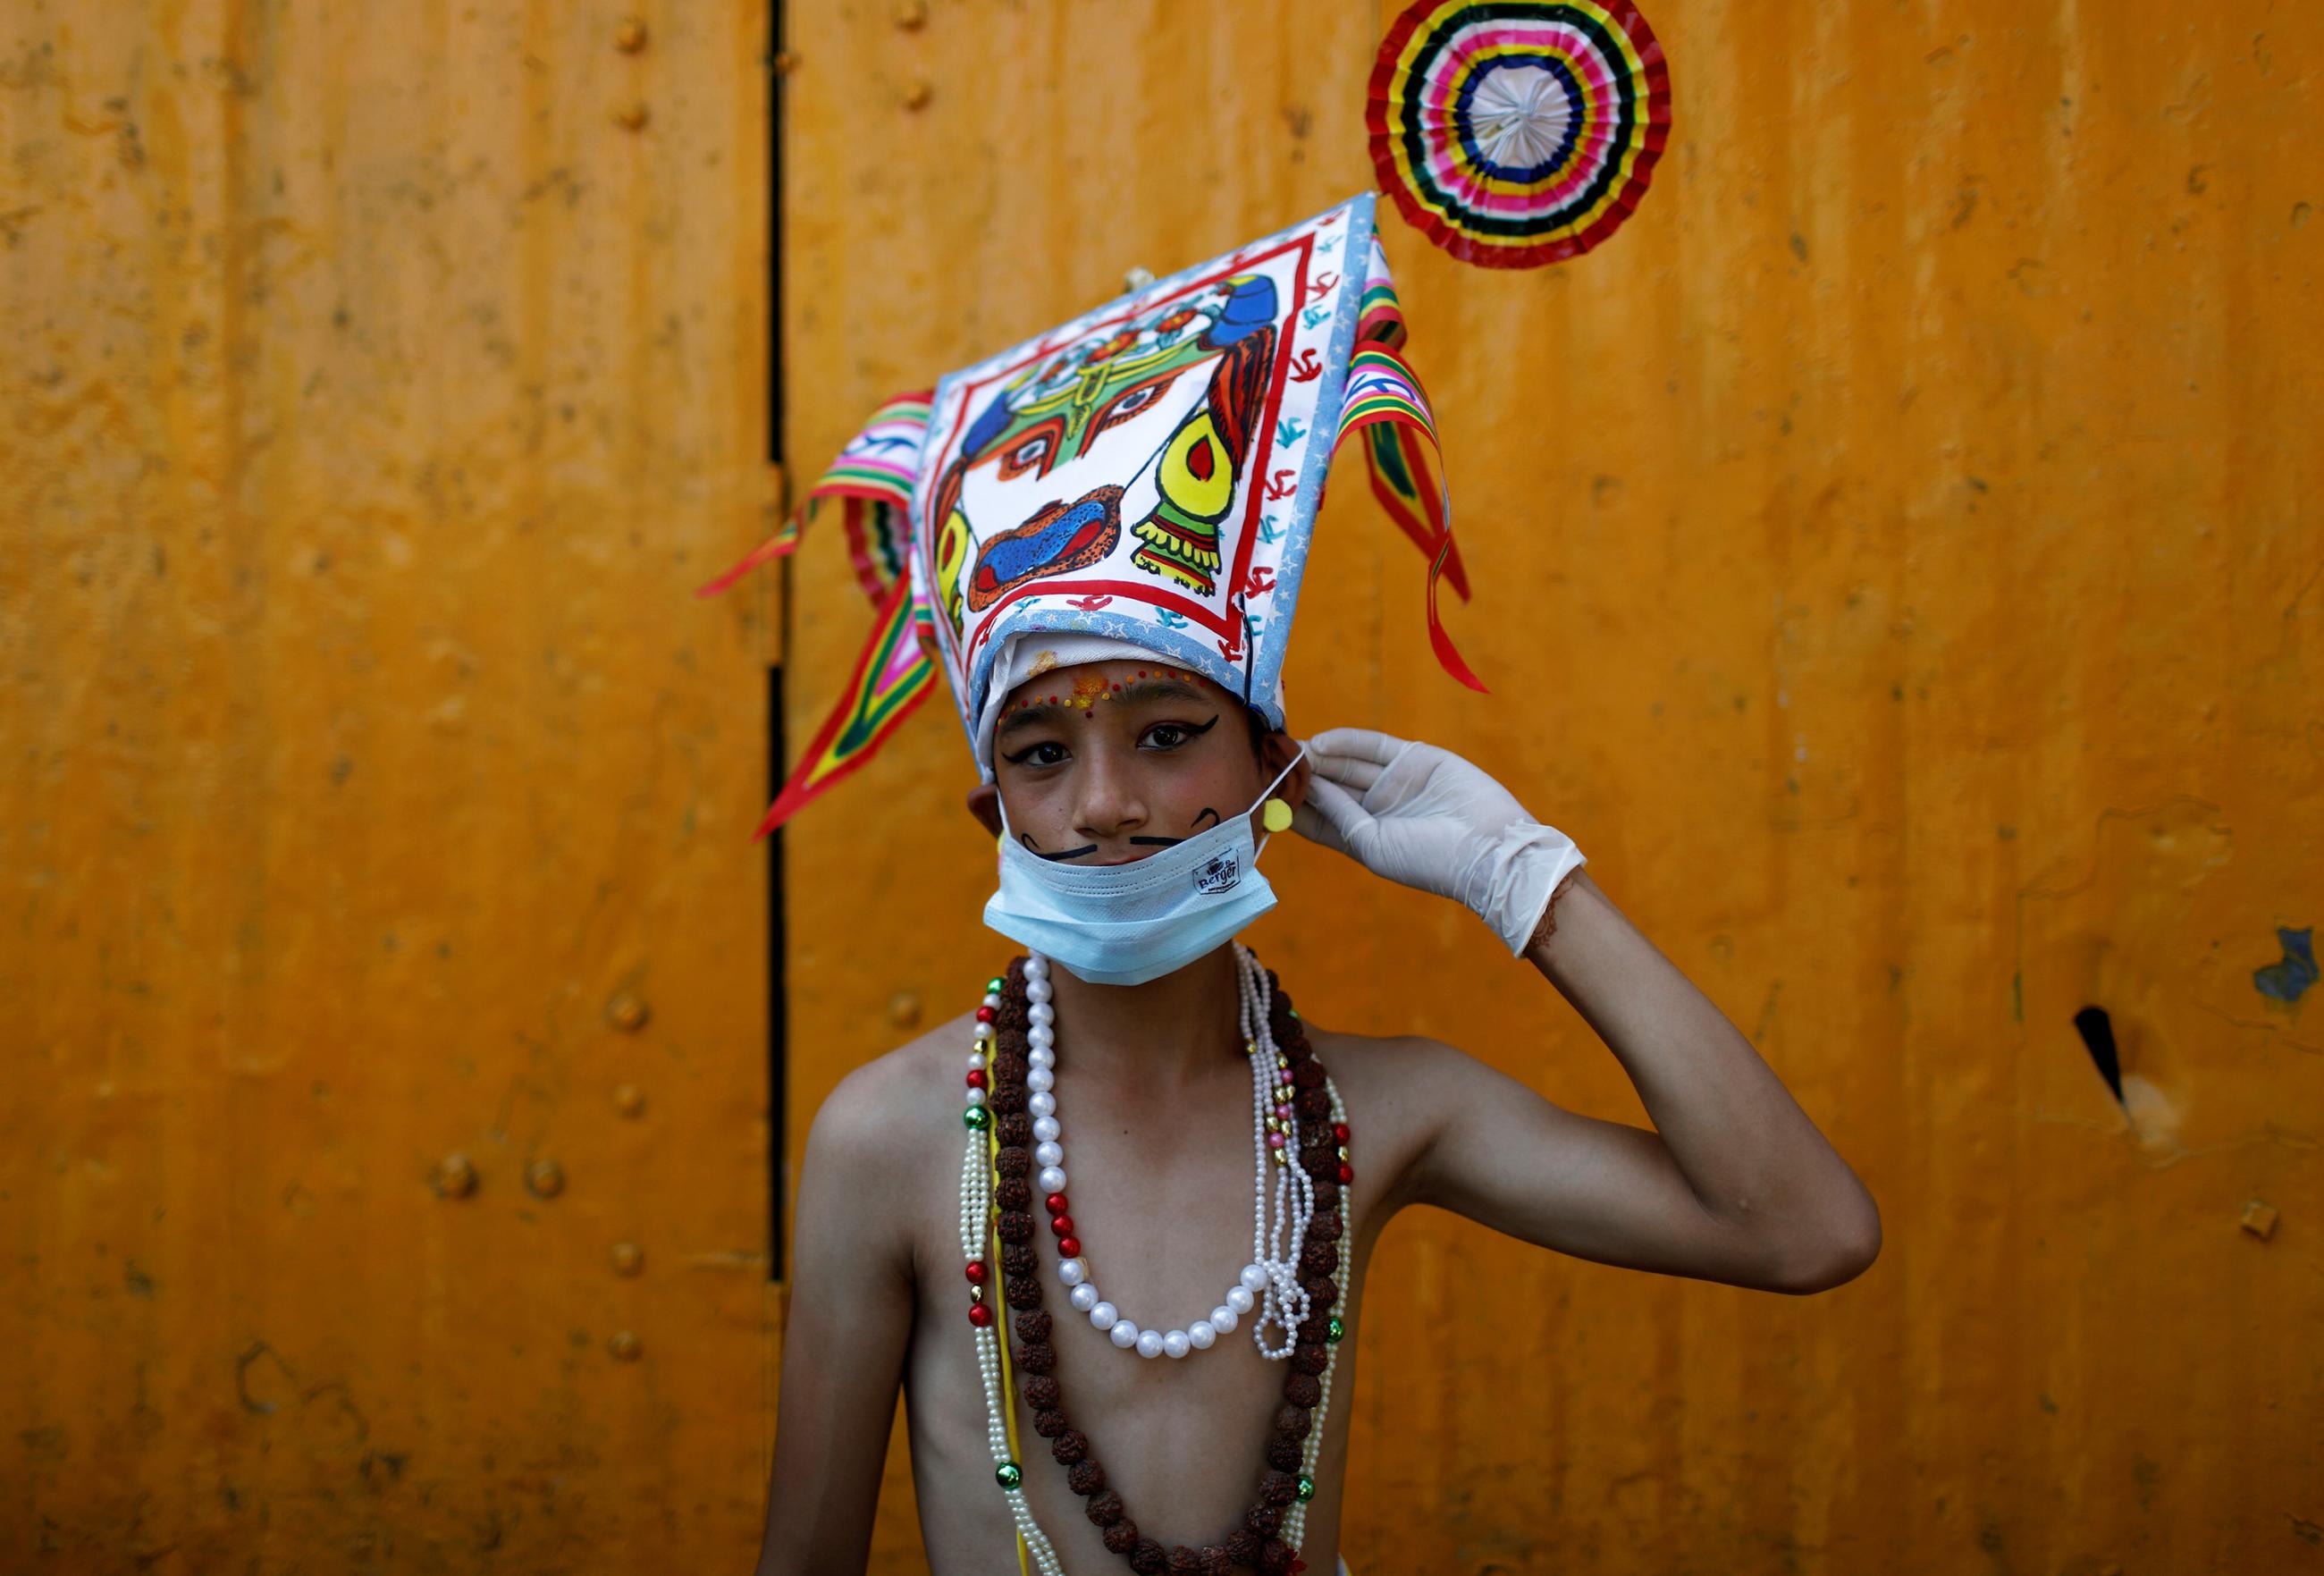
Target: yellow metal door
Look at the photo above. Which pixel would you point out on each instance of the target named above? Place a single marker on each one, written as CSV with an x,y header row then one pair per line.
x,y
1898,568
383,1164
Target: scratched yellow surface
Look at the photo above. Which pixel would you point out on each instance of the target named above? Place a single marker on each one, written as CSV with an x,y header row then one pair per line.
x,y
1897,557
1897,566
373,399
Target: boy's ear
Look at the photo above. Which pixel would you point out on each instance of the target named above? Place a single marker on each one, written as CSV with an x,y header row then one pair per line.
x,y
984,804
1276,751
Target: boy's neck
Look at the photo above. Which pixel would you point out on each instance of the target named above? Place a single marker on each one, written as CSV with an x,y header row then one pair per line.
x,y
1160,1036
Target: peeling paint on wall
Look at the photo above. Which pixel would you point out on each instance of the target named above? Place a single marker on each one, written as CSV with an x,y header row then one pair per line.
x,y
2288,978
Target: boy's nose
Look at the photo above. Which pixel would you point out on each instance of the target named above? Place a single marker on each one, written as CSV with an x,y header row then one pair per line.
x,y
1112,806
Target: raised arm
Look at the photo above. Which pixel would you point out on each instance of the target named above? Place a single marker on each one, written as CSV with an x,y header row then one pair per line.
x,y
1734,1184
851,1319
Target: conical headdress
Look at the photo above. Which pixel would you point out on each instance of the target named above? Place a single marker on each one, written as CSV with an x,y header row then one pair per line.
x,y
1148,472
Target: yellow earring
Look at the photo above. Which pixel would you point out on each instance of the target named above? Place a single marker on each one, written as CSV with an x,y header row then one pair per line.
x,y
1277,816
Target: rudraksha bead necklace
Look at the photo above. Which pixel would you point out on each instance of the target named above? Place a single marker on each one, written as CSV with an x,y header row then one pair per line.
x,y
1008,1094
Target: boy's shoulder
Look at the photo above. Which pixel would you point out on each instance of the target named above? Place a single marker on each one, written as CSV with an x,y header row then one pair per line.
x,y
1403,1067
918,1084
1380,1057
884,1146
1400,1090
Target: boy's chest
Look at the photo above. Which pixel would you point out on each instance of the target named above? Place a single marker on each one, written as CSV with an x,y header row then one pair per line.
x,y
1167,1204
1183,1442
1169,1201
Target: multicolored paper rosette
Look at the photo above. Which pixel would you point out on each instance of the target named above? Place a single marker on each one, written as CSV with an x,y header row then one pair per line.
x,y
1518,133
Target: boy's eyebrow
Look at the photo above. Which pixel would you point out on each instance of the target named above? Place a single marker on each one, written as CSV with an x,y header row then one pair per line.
x,y
1024,716
1158,690
1137,689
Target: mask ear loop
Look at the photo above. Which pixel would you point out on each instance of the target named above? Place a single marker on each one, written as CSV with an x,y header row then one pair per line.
x,y
1001,843
1269,794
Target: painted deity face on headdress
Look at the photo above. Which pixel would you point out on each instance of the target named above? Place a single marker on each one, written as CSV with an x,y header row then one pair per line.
x,y
1146,474
1149,471
1161,406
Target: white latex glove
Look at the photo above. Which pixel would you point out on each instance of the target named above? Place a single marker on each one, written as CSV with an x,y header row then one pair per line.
x,y
1424,816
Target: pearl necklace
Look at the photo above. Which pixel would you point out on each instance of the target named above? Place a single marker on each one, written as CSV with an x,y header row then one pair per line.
x,y
977,1236
1270,1281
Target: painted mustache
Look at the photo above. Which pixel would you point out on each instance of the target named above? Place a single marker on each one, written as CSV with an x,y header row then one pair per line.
x,y
1089,848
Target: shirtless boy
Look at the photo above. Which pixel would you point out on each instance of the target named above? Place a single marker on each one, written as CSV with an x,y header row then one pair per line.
x,y
1733,1183
1033,1218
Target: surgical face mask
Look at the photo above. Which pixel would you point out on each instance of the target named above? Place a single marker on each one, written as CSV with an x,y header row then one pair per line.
x,y
1126,924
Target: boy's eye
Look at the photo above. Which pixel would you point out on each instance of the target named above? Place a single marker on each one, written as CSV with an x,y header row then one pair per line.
x,y
1176,735
1047,752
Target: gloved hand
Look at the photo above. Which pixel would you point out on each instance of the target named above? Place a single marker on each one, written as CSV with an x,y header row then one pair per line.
x,y
1424,816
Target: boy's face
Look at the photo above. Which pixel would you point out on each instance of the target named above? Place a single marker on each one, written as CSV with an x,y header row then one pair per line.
x,y
1108,763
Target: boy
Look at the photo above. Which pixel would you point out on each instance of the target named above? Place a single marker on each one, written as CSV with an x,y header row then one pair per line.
x,y
1734,1184
1042,1302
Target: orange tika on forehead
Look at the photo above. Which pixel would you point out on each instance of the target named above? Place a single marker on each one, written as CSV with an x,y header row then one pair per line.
x,y
1091,687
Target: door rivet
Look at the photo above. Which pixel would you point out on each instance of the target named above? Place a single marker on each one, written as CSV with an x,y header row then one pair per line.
x,y
544,1178
630,35
628,1258
2259,1219
904,1008
624,1346
630,1099
625,1011
455,1176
